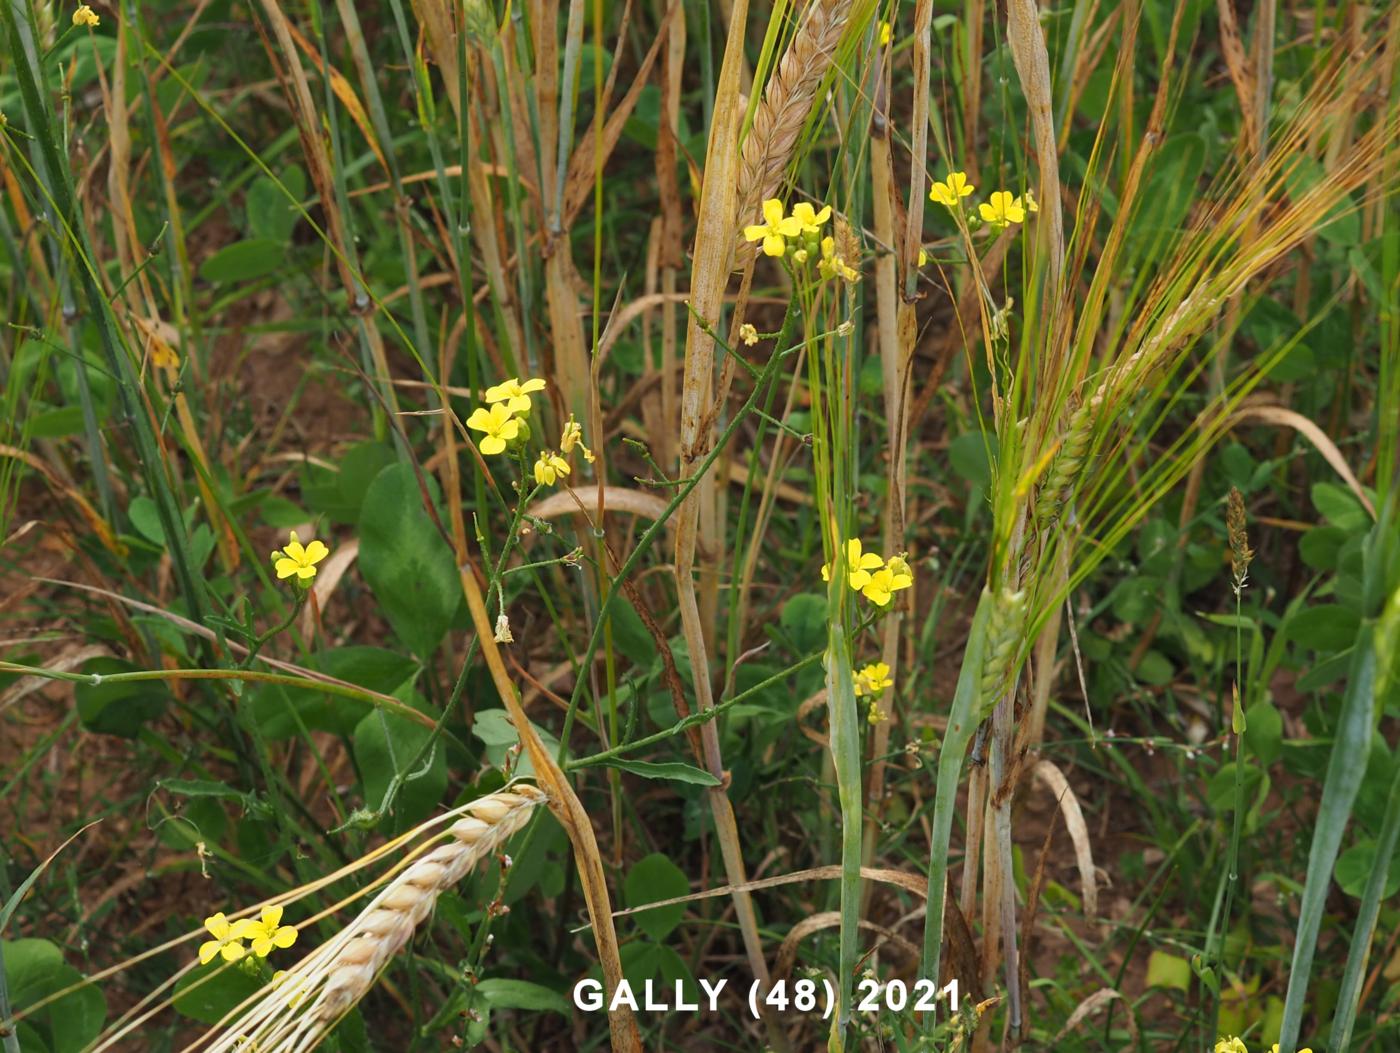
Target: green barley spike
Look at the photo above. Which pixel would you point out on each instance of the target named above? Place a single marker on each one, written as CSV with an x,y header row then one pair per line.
x,y
1003,637
1064,467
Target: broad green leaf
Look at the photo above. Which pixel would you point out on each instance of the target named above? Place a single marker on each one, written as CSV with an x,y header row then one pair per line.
x,y
211,991
803,618
1339,506
968,454
1323,627
339,493
243,261
1354,867
1264,731
270,214
653,878
118,708
497,733
35,969
406,562
1167,970
387,746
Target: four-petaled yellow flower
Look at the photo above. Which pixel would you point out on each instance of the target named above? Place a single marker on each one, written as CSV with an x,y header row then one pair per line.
x,y
1002,210
293,558
266,932
227,943
809,217
86,16
950,193
832,265
573,436
858,565
775,228
550,467
883,584
873,679
514,393
499,424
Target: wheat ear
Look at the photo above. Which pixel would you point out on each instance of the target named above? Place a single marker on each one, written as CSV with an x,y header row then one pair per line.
x,y
787,99
295,1014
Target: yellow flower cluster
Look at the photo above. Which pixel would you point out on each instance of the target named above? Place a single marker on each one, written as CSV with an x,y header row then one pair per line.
x,y
874,578
86,16
803,228
1231,1044
263,934
1001,210
873,679
294,558
506,410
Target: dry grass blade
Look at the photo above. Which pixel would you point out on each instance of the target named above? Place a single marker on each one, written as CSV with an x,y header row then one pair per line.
x,y
1055,781
1092,1004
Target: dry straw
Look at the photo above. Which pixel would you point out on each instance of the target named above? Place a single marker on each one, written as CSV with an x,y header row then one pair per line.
x,y
298,1011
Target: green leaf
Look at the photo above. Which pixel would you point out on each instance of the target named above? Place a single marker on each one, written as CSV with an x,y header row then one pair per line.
x,y
1167,970
503,993
210,992
1354,868
968,454
406,562
804,620
270,214
1342,223
34,970
1155,668
243,261
673,770
386,750
277,707
339,493
1324,627
1264,731
1339,506
497,733
146,519
118,708
654,878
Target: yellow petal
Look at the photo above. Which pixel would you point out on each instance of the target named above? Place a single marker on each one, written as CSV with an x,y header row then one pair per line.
x,y
208,951
262,946
789,226
822,216
754,231
492,445
533,384
233,951
773,211
773,245
285,936
306,572
315,552
286,567
295,551
480,420
217,925
859,579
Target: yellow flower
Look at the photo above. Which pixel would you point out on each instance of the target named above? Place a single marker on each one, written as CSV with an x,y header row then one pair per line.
x,y
899,566
873,679
227,943
514,394
923,257
86,16
1275,1049
1030,203
748,334
267,932
550,467
294,559
832,265
884,583
775,228
884,34
1230,1045
876,715
810,218
498,423
858,564
573,436
949,194
1002,210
